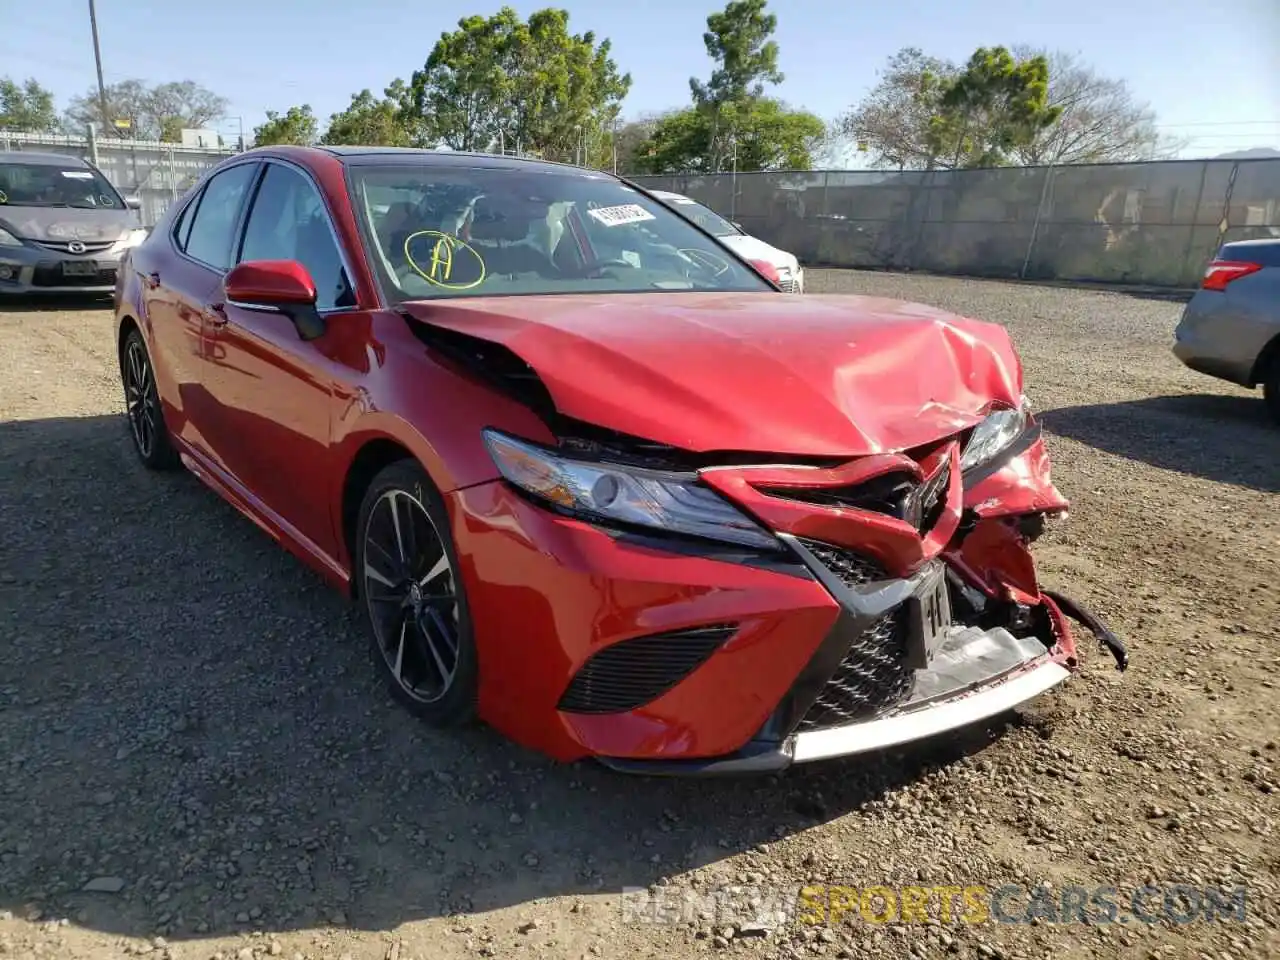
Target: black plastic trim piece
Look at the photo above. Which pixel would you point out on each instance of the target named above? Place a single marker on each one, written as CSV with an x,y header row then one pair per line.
x,y
755,759
775,562
976,474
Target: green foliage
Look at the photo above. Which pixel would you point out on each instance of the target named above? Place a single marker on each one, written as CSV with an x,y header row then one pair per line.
x,y
504,83
370,121
738,39
27,107
768,136
298,125
731,122
150,113
994,106
892,122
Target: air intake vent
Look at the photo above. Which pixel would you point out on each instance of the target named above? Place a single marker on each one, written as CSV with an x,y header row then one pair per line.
x,y
634,672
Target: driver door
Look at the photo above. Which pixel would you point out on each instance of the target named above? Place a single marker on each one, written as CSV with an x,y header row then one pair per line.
x,y
272,392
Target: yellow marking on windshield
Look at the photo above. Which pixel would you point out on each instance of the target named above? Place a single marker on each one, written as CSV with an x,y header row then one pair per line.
x,y
440,268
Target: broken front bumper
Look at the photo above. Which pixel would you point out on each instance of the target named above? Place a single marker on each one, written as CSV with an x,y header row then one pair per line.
x,y
972,675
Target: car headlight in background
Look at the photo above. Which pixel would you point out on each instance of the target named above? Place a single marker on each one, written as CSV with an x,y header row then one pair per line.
x,y
629,495
7,239
131,239
994,435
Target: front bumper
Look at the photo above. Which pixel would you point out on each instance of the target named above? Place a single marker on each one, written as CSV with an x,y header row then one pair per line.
x,y
30,270
548,593
975,674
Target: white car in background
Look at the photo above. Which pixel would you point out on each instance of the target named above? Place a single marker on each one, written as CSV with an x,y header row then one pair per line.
x,y
790,275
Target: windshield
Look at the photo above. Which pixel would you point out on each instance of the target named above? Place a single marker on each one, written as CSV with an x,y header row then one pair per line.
x,y
444,230
705,217
55,185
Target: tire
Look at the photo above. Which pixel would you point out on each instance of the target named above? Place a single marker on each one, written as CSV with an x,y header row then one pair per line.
x,y
143,410
1271,388
414,563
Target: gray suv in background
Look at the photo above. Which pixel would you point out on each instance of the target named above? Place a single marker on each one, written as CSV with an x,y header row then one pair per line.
x,y
63,226
1231,327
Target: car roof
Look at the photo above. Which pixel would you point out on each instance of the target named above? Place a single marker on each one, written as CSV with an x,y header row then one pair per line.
x,y
42,159
452,158
668,195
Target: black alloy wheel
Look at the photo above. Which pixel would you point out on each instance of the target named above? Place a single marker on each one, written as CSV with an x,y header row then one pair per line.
x,y
406,576
142,406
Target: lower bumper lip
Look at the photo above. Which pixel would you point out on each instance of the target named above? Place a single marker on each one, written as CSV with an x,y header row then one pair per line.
x,y
954,710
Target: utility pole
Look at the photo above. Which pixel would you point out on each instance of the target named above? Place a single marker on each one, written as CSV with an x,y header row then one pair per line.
x,y
97,59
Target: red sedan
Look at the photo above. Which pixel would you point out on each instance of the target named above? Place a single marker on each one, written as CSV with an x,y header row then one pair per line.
x,y
591,477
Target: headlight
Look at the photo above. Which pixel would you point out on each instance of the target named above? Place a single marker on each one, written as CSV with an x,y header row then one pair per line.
x,y
131,239
628,495
994,434
7,239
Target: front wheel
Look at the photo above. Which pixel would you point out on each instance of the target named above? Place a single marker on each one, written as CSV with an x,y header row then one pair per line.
x,y
142,406
406,575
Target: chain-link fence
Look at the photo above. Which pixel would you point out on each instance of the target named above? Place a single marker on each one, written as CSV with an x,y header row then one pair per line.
x,y
156,173
1138,223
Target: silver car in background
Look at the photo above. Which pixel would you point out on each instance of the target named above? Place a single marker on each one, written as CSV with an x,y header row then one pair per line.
x,y
63,226
1231,327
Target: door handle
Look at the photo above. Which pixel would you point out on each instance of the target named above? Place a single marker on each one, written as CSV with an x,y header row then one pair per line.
x,y
217,314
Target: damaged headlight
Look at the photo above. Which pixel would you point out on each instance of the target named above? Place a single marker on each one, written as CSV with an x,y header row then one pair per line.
x,y
622,494
994,435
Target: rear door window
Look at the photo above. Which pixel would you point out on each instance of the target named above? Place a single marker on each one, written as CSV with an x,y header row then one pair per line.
x,y
213,228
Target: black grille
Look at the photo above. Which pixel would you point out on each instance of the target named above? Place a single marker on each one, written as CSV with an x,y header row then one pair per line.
x,y
852,568
50,275
631,673
873,675
87,246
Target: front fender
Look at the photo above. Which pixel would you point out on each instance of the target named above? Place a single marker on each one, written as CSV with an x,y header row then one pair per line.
x,y
1020,485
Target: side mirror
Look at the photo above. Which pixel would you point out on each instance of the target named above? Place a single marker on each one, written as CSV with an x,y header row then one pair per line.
x,y
767,270
278,286
133,203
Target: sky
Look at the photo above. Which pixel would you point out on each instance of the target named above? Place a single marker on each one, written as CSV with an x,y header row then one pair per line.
x,y
1210,68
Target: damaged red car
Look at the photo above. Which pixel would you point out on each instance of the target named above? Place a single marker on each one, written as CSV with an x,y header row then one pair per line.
x,y
591,477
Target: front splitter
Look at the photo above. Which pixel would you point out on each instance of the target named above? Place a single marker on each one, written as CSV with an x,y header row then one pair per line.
x,y
979,675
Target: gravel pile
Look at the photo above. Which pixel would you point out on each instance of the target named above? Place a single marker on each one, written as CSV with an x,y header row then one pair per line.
x,y
196,762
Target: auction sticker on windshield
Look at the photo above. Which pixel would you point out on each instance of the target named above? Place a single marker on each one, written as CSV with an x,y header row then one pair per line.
x,y
624,213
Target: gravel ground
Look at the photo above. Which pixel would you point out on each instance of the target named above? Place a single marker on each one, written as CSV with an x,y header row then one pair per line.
x,y
200,764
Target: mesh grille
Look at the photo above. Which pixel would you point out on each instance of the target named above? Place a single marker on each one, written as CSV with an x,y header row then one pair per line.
x,y
629,674
873,675
853,569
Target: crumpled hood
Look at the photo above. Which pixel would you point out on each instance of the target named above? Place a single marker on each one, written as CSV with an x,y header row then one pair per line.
x,y
67,223
822,375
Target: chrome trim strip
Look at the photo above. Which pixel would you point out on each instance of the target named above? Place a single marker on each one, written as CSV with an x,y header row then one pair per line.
x,y
930,719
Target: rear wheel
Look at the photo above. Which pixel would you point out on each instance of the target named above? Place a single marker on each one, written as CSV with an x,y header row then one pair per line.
x,y
1271,387
406,575
142,406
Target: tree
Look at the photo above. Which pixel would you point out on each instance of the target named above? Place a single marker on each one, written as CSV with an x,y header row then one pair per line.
x,y
27,107
147,113
767,136
506,83
738,39
893,119
370,121
996,105
298,125
1100,121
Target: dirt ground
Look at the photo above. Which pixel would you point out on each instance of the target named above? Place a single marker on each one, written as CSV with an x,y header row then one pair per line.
x,y
195,760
